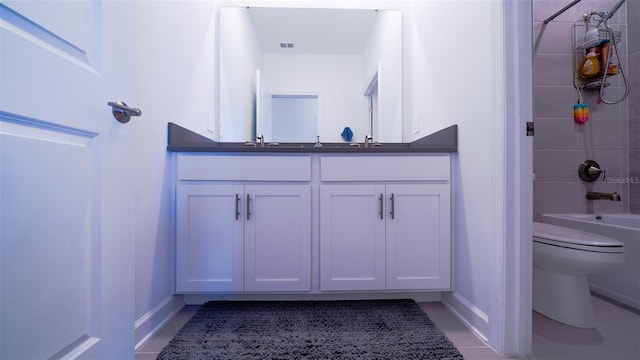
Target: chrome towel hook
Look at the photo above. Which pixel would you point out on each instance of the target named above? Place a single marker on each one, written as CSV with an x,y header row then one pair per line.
x,y
122,112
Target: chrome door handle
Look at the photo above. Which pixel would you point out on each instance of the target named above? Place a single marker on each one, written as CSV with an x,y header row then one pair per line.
x,y
393,206
248,207
237,206
122,112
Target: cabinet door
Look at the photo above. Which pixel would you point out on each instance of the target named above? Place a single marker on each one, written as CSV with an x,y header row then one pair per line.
x,y
418,236
278,238
352,244
209,242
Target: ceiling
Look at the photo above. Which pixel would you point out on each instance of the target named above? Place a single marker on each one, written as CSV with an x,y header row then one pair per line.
x,y
325,31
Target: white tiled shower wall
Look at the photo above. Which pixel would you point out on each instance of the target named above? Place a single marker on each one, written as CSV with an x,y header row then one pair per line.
x,y
611,136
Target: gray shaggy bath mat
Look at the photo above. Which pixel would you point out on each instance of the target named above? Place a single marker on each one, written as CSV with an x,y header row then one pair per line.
x,y
368,329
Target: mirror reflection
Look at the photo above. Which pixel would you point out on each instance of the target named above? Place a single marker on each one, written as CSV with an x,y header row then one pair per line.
x,y
294,74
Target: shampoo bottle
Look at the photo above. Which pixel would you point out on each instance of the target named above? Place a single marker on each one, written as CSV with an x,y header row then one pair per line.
x,y
591,65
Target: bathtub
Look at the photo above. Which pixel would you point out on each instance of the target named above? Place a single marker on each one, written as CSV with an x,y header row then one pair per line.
x,y
622,282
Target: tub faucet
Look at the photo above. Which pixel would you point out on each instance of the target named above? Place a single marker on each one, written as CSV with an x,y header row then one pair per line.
x,y
603,196
260,138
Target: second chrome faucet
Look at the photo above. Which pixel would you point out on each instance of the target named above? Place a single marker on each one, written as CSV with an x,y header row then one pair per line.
x,y
614,196
367,140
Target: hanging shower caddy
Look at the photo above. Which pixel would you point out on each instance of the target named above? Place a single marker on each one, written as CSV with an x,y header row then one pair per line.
x,y
595,39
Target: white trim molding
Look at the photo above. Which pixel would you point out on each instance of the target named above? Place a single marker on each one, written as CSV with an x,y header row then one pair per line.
x,y
510,314
472,317
150,323
498,309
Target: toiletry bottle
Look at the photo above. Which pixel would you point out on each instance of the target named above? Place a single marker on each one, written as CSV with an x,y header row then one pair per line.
x,y
591,65
605,51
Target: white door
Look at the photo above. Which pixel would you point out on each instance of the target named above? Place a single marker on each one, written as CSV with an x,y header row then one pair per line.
x,y
210,232
278,238
294,118
67,186
352,238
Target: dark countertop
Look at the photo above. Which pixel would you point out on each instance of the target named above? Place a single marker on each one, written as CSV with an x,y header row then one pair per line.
x,y
184,140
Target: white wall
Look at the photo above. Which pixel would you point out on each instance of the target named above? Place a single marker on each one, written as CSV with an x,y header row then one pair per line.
x,y
176,48
449,79
384,49
238,64
337,79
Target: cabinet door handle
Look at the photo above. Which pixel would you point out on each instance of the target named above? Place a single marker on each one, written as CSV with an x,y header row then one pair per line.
x,y
248,206
393,206
237,206
381,207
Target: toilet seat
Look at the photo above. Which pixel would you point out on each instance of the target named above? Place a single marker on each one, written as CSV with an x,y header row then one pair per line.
x,y
574,239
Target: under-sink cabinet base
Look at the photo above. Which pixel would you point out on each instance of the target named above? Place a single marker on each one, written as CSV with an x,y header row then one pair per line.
x,y
301,224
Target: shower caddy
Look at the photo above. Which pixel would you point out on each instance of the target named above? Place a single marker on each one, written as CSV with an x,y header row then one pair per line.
x,y
603,40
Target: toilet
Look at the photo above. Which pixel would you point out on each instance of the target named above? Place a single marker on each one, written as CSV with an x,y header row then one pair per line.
x,y
562,259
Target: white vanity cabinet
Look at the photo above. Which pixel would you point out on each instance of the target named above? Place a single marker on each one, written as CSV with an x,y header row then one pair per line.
x,y
385,223
312,223
243,223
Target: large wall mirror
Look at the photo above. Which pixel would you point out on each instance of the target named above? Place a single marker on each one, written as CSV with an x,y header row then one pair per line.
x,y
292,74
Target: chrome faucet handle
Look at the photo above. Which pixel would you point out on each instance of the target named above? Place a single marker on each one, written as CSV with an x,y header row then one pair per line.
x,y
260,138
597,172
590,171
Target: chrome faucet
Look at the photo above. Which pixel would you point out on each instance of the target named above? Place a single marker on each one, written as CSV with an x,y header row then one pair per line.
x,y
260,138
590,171
367,140
603,196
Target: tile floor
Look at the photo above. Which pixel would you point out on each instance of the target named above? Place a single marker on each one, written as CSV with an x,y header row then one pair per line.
x,y
617,335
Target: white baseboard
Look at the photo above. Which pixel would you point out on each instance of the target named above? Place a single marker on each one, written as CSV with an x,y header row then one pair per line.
x,y
634,304
472,317
151,322
199,299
